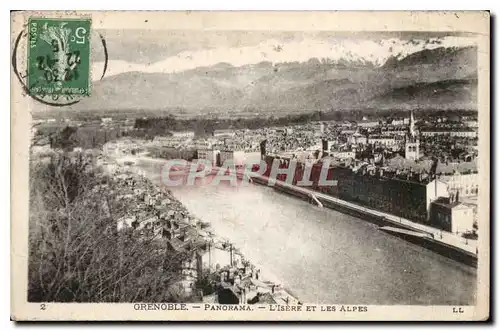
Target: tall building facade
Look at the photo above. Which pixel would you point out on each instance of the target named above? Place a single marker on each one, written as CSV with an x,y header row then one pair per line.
x,y
408,197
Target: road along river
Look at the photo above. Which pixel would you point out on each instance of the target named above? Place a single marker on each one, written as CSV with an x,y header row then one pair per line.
x,y
322,255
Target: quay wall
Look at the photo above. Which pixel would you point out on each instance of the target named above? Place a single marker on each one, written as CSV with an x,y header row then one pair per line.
x,y
452,252
449,251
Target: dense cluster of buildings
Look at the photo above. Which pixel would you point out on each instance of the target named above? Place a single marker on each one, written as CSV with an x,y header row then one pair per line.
x,y
389,172
423,171
394,165
156,215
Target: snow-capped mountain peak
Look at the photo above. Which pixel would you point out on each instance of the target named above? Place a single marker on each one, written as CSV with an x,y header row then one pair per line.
x,y
344,51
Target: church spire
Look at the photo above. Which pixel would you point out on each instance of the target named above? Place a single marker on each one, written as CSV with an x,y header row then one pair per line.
x,y
412,125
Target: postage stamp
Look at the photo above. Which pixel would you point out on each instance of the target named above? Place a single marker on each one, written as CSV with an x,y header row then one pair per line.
x,y
325,166
59,56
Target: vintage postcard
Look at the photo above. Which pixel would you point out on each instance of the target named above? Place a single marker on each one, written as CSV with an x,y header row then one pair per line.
x,y
256,166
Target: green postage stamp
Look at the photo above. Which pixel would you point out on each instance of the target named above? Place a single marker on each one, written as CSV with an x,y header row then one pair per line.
x,y
59,57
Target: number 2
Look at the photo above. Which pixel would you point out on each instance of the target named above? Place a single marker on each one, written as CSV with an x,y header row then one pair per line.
x,y
43,307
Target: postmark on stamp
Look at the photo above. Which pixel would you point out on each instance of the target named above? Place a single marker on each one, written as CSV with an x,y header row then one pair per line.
x,y
59,57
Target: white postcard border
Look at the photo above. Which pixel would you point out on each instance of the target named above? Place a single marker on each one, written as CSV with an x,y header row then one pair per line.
x,y
476,22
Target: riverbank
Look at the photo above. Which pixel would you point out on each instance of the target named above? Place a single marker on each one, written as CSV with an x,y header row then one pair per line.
x,y
316,251
442,243
233,273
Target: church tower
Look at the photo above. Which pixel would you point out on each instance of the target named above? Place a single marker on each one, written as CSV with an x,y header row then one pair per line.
x,y
412,144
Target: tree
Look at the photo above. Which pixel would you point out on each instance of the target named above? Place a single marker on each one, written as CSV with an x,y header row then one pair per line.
x,y
66,139
76,253
207,281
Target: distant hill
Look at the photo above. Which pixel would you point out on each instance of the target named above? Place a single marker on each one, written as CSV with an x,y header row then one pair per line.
x,y
455,93
455,56
439,78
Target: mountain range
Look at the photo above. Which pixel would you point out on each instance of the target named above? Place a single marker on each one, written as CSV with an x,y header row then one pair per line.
x,y
441,78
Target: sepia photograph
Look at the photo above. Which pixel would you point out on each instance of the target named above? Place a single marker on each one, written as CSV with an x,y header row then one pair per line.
x,y
195,166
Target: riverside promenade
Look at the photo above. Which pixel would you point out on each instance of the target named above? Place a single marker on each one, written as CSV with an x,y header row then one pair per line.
x,y
441,237
444,237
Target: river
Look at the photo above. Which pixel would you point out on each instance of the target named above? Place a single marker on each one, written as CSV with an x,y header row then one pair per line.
x,y
321,255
